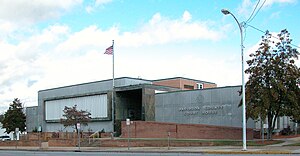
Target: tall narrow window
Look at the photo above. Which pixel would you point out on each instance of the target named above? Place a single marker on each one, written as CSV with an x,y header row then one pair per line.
x,y
199,85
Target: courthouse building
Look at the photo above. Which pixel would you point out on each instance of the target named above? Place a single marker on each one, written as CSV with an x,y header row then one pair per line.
x,y
175,100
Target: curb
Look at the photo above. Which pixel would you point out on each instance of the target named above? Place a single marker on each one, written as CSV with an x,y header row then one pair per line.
x,y
248,152
157,151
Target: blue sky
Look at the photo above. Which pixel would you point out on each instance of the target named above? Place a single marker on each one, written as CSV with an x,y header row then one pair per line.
x,y
46,43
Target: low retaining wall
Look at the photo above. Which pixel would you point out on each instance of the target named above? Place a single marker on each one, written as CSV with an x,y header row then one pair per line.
x,y
20,143
146,129
61,143
37,143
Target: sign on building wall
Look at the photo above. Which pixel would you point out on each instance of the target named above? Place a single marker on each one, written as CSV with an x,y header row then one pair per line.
x,y
217,106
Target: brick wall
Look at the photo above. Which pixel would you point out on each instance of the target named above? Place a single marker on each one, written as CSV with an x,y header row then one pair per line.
x,y
62,142
170,83
181,82
20,143
44,136
209,85
144,129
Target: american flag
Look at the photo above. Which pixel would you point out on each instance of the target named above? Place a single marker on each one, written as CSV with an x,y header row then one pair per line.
x,y
109,50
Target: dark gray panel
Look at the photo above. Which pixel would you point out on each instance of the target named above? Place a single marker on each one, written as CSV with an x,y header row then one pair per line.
x,y
216,106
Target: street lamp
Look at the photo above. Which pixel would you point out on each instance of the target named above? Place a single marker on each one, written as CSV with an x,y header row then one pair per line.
x,y
226,12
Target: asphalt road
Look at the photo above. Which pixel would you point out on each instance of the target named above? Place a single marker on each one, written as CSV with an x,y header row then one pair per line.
x,y
42,153
48,153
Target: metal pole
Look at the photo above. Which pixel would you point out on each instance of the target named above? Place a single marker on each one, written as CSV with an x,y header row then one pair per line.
x,y
262,131
243,92
169,133
128,142
113,87
78,139
226,12
39,135
296,128
16,140
78,129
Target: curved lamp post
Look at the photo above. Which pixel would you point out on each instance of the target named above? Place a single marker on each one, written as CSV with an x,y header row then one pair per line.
x,y
226,12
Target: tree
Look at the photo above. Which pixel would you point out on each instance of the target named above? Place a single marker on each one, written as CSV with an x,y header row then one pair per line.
x,y
273,86
14,117
74,116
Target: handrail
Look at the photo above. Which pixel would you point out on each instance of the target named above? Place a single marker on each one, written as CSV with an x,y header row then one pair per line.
x,y
93,136
95,133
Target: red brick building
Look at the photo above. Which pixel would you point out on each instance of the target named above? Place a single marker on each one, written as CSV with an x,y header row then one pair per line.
x,y
184,83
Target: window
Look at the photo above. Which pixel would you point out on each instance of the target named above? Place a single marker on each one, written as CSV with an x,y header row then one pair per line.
x,y
199,85
95,104
188,87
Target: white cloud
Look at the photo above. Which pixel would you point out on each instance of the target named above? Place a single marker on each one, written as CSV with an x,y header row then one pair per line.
x,y
275,15
247,6
20,68
98,3
186,66
157,31
186,16
89,9
19,15
34,10
160,30
271,2
56,56
101,2
88,38
6,28
36,45
155,19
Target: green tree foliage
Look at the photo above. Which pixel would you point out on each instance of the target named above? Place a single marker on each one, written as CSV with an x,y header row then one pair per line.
x,y
14,117
273,86
74,116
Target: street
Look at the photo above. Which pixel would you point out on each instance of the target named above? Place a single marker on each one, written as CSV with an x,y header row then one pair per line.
x,y
48,153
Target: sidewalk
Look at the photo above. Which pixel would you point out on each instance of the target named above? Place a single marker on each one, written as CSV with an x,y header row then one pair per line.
x,y
270,149
206,149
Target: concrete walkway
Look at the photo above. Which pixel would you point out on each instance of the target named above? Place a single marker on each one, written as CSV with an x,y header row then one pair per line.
x,y
270,149
287,141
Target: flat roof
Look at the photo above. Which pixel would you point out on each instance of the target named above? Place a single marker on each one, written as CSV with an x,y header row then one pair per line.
x,y
125,78
200,89
79,84
172,78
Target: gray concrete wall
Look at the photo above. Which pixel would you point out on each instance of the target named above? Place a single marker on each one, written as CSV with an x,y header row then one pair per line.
x,y
31,118
216,106
148,104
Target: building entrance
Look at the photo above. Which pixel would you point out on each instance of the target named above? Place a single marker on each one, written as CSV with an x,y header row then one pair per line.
x,y
129,105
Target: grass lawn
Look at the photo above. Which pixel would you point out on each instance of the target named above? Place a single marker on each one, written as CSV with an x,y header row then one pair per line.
x,y
211,142
295,144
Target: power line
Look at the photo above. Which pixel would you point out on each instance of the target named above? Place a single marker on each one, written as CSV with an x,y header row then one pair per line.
x,y
244,24
256,12
256,28
253,11
270,34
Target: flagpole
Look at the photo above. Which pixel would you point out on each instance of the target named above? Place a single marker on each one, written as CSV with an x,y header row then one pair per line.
x,y
113,86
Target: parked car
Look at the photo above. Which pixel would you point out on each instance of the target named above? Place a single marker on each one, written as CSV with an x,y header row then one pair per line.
x,y
4,138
